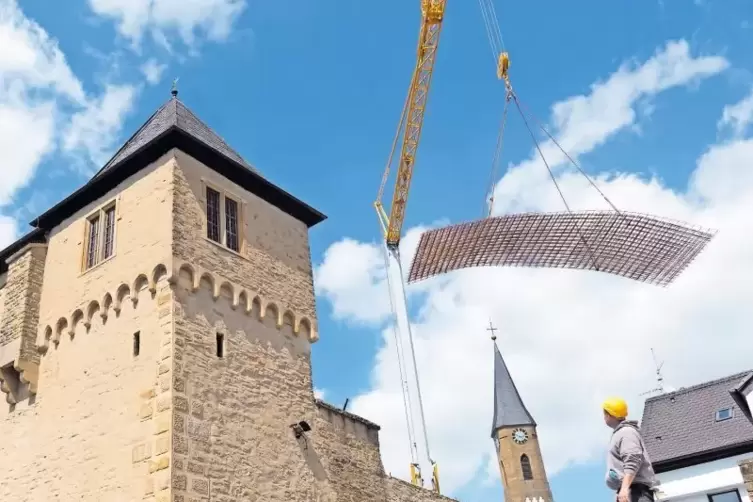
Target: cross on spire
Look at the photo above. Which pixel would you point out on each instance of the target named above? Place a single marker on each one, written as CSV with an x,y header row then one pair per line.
x,y
492,330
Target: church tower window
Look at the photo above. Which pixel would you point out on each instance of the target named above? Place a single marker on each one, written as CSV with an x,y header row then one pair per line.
x,y
525,466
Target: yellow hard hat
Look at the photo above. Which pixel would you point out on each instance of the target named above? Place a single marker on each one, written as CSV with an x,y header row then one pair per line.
x,y
615,406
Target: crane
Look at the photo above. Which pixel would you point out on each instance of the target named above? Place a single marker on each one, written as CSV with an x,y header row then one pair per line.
x,y
411,124
409,134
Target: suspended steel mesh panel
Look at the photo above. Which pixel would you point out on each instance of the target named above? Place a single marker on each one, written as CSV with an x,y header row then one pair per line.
x,y
640,247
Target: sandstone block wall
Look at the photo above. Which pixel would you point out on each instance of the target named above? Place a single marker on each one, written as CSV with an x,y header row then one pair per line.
x,y
274,260
19,359
142,239
175,421
90,434
510,453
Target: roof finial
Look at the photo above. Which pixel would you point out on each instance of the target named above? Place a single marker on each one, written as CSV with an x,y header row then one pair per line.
x,y
174,89
492,330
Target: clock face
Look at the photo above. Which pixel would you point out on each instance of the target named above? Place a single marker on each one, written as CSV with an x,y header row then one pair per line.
x,y
519,436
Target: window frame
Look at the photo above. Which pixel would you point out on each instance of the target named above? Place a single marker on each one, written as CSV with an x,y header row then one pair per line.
x,y
731,411
100,215
224,196
527,473
735,491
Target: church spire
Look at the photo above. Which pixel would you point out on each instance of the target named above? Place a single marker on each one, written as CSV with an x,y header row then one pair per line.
x,y
509,410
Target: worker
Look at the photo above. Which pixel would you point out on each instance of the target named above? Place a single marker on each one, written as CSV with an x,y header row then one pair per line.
x,y
629,469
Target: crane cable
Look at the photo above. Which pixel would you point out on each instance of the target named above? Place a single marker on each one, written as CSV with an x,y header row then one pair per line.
x,y
496,42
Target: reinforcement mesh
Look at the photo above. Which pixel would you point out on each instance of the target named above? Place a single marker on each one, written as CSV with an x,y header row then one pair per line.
x,y
637,246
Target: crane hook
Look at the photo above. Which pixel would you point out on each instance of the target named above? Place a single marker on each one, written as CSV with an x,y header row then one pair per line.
x,y
503,66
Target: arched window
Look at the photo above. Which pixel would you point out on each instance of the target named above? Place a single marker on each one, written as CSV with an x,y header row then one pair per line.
x,y
525,466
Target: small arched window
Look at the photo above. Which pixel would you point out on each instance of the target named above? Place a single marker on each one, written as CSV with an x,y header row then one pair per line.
x,y
525,466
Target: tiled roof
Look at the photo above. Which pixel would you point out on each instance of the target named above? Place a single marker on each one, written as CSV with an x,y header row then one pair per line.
x,y
509,409
173,114
173,125
683,424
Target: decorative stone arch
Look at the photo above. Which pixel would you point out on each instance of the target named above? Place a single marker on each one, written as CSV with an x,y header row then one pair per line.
x,y
213,287
189,272
44,343
141,282
242,301
60,326
91,311
158,273
106,304
255,308
228,290
120,294
75,318
272,312
306,329
288,319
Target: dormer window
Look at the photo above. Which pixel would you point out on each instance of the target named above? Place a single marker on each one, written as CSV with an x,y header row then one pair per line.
x,y
724,414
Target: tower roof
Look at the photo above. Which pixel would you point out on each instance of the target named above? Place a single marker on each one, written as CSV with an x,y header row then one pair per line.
x,y
173,125
173,114
509,409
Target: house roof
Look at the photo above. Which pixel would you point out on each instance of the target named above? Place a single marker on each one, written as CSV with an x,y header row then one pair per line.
x,y
681,427
173,125
509,410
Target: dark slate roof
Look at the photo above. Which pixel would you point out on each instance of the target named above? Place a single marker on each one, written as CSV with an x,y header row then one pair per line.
x,y
173,125
681,426
173,114
509,410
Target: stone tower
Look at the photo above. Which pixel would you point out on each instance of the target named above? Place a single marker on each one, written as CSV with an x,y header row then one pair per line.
x,y
156,330
514,434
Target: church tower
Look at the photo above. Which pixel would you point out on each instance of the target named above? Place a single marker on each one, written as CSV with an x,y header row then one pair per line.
x,y
514,434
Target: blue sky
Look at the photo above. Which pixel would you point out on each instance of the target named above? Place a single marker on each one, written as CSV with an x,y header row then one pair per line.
x,y
310,93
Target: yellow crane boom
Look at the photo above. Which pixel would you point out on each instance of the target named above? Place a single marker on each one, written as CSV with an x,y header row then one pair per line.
x,y
412,121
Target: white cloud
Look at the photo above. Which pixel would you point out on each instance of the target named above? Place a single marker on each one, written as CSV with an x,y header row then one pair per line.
x,y
37,92
95,128
134,18
153,71
569,337
352,277
7,231
738,116
319,393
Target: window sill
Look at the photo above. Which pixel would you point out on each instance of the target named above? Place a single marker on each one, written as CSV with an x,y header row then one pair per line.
x,y
94,267
225,248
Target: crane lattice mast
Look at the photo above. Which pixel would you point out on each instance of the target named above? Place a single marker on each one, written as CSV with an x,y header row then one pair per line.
x,y
411,125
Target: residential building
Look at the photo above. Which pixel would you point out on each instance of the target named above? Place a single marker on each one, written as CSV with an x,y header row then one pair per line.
x,y
701,443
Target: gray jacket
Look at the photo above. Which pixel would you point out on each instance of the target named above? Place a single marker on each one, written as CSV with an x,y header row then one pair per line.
x,y
627,454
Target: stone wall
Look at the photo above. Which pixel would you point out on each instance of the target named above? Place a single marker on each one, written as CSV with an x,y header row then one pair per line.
x,y
232,414
510,453
176,421
90,433
19,358
274,260
142,239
